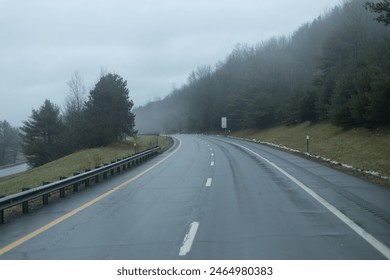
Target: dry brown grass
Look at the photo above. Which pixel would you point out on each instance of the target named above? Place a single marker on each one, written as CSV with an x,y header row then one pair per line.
x,y
359,147
78,162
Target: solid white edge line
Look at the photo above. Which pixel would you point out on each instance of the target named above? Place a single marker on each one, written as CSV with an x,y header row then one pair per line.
x,y
208,182
189,239
382,248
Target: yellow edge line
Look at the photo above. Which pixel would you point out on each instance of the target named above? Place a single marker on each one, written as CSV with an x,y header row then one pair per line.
x,y
77,210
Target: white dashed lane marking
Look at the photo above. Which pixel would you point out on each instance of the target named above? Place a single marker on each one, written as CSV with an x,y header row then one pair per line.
x,y
189,239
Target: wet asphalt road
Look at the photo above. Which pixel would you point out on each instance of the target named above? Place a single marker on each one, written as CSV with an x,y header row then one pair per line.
x,y
212,198
6,171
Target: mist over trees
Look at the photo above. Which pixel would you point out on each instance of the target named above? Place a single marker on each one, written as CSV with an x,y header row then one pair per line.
x,y
104,118
333,69
9,143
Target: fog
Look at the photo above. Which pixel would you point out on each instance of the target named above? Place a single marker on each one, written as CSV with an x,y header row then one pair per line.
x,y
332,69
154,45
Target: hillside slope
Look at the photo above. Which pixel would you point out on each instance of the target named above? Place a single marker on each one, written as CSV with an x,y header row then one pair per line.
x,y
78,162
361,148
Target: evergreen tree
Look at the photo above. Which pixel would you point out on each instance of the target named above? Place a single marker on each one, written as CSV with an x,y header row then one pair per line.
x,y
333,69
108,115
382,8
42,135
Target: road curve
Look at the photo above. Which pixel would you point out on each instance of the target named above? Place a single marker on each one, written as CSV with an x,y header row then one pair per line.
x,y
211,198
11,170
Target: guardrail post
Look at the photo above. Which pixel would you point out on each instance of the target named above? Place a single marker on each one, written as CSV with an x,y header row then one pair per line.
x,y
25,204
1,213
45,197
86,181
105,173
97,176
112,170
62,190
76,185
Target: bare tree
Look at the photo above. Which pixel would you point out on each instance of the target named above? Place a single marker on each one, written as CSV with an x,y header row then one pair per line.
x,y
76,95
74,110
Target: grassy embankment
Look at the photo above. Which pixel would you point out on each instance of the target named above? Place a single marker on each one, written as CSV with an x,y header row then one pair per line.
x,y
78,162
361,148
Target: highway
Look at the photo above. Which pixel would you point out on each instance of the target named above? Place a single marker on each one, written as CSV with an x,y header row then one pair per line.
x,y
11,170
211,197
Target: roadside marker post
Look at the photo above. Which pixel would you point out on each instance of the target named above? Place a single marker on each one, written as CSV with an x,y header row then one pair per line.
x,y
307,143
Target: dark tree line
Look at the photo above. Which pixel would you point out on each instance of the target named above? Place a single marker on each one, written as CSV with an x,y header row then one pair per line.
x,y
9,143
335,69
105,117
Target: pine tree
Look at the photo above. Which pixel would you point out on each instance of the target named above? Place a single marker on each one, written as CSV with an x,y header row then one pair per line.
x,y
382,8
108,115
41,135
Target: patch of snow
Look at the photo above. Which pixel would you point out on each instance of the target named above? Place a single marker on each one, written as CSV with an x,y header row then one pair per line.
x,y
347,166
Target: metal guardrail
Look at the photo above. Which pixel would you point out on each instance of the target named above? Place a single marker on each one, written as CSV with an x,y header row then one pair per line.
x,y
22,198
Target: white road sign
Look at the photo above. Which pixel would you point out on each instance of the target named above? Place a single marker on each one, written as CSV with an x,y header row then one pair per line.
x,y
224,122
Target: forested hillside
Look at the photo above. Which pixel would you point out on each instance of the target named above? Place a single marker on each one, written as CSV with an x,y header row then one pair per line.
x,y
334,69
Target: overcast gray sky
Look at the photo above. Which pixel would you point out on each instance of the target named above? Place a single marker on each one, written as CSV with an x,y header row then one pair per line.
x,y
152,44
